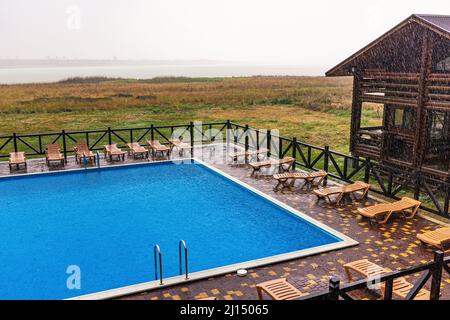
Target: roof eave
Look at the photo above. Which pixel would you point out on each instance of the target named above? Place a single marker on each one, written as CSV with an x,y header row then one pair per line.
x,y
339,69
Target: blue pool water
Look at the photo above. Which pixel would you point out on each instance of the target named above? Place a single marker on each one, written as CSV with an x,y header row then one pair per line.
x,y
107,221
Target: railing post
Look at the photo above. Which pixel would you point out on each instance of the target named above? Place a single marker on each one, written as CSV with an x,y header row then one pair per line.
x,y
446,201
294,152
326,160
152,132
436,275
64,145
109,136
417,185
257,140
367,171
345,169
227,137
191,133
269,143
333,288
40,145
388,287
246,141
15,141
280,148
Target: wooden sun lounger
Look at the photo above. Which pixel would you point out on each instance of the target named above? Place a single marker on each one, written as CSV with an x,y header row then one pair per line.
x,y
287,180
283,165
383,211
53,154
156,147
341,191
180,145
16,159
175,142
439,238
278,289
370,270
247,154
135,149
111,151
81,149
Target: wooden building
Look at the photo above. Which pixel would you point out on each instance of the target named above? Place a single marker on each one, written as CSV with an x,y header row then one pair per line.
x,y
405,75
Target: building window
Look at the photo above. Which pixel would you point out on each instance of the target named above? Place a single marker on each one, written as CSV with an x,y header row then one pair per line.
x,y
404,118
398,117
438,125
443,65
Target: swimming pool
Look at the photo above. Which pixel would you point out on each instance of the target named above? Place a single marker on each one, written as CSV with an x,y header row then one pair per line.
x,y
106,221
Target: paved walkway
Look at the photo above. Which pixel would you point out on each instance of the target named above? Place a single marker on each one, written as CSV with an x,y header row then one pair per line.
x,y
393,245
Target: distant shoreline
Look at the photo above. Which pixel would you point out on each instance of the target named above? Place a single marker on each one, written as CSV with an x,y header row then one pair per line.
x,y
49,72
52,63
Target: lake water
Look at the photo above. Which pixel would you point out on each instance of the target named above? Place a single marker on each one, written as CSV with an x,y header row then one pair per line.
x,y
53,74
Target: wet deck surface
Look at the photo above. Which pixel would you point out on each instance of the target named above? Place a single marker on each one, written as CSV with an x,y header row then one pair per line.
x,y
393,245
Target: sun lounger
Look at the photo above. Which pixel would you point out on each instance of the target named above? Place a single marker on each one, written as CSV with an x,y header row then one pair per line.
x,y
53,154
287,180
283,165
16,159
439,238
339,192
81,150
112,151
383,211
278,289
157,148
180,145
135,149
247,154
371,271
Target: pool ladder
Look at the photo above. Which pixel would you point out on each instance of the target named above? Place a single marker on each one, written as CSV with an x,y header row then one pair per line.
x,y
158,261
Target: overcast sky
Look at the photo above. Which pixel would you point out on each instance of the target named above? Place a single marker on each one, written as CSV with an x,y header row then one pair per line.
x,y
313,32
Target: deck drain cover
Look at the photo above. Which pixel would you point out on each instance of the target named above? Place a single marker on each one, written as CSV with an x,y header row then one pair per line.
x,y
242,272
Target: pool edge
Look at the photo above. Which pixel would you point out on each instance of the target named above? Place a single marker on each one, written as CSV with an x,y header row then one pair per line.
x,y
199,275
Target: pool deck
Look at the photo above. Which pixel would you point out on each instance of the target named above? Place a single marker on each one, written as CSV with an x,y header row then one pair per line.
x,y
393,245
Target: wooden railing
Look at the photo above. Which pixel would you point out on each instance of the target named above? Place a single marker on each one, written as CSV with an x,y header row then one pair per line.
x,y
438,92
385,180
389,181
390,88
429,271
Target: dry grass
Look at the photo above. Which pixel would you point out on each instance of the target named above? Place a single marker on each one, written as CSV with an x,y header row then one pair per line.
x,y
314,109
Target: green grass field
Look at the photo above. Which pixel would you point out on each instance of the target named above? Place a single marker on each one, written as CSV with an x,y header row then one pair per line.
x,y
316,110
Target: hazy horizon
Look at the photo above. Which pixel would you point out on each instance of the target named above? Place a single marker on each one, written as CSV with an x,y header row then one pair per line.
x,y
285,32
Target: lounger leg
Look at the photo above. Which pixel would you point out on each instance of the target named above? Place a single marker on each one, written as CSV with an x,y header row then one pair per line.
x,y
277,186
348,273
412,214
339,198
386,218
260,294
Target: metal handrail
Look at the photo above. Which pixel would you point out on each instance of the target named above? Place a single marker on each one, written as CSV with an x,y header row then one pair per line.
x,y
157,249
182,243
